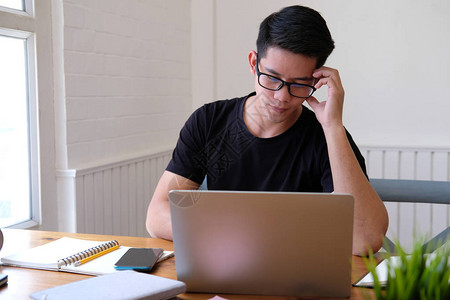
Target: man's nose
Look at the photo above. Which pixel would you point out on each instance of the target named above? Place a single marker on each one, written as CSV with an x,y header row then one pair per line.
x,y
283,93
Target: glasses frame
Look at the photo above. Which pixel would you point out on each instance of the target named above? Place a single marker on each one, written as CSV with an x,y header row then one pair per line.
x,y
282,83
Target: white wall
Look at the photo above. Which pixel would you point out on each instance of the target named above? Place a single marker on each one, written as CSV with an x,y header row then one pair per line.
x,y
127,77
392,57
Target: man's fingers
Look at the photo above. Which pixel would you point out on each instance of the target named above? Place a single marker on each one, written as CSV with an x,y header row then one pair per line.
x,y
328,81
313,102
327,73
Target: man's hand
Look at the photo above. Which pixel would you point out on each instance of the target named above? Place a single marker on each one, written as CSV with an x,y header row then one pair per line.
x,y
328,112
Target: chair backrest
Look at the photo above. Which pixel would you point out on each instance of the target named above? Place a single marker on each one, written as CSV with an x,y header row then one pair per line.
x,y
415,191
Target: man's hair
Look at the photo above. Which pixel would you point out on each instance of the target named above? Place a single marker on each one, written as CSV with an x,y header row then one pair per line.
x,y
298,29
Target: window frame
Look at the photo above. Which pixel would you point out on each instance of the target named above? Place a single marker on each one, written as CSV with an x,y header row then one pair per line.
x,y
32,112
27,11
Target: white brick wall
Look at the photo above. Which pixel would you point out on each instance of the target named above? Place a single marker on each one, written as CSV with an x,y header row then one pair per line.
x,y
127,72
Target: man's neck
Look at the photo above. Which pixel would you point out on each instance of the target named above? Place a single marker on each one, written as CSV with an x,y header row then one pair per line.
x,y
260,125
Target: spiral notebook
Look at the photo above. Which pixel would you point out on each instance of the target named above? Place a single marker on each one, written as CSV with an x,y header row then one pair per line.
x,y
64,253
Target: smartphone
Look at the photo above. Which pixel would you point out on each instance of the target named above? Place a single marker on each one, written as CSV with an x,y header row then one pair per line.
x,y
139,259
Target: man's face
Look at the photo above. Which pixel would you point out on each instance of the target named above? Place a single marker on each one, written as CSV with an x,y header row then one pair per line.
x,y
280,106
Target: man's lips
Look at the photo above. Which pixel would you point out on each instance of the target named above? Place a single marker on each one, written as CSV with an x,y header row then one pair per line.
x,y
278,109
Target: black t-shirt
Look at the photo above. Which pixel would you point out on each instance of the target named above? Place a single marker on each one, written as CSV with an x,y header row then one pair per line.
x,y
216,142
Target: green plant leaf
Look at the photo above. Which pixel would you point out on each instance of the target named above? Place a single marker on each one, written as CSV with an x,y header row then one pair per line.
x,y
416,276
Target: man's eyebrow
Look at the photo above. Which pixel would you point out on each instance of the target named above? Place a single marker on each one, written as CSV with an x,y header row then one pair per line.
x,y
297,78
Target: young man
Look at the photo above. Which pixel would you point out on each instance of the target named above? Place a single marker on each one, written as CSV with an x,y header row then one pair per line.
x,y
268,141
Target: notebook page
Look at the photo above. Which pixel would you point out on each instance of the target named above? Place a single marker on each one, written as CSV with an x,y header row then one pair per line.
x,y
99,266
382,272
46,256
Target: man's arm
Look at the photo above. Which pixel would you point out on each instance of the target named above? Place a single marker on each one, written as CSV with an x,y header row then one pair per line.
x,y
370,215
371,220
158,222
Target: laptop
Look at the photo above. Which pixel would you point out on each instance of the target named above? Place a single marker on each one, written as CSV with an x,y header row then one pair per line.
x,y
263,243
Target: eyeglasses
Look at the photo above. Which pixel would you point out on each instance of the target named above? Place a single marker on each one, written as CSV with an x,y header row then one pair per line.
x,y
273,83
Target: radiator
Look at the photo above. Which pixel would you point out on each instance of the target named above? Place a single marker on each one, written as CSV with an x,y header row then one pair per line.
x,y
113,198
408,221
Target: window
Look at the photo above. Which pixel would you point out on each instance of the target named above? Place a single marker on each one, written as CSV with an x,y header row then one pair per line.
x,y
14,4
18,157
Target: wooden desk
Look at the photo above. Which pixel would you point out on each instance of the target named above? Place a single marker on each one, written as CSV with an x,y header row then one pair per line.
x,y
22,282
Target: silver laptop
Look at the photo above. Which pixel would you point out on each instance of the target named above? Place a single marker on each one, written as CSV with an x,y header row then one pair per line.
x,y
263,243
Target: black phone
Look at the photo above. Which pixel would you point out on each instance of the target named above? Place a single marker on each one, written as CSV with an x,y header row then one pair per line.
x,y
139,259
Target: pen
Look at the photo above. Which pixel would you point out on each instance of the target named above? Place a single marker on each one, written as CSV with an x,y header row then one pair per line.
x,y
88,254
85,260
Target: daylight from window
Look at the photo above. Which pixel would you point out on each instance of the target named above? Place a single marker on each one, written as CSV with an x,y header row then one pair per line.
x,y
14,142
14,4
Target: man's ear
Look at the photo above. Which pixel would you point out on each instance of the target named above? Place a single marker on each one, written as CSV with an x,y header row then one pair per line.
x,y
252,57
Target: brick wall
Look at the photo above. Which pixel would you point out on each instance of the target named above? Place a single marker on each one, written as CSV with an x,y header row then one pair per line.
x,y
127,77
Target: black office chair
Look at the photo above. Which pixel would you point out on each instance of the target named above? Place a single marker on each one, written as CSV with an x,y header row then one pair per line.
x,y
415,191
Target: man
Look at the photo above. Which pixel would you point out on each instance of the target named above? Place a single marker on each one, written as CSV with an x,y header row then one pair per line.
x,y
268,140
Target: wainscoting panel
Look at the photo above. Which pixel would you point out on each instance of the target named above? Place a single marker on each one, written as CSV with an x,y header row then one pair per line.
x,y
408,220
113,198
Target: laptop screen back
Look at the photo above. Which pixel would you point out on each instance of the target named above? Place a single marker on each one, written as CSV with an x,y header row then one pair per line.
x,y
263,243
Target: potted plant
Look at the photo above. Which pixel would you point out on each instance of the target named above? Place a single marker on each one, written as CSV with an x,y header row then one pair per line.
x,y
417,275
